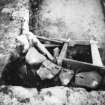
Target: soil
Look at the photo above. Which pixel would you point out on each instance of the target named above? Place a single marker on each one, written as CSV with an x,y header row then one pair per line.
x,y
66,18
89,18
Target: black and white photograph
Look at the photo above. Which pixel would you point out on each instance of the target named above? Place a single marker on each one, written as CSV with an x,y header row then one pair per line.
x,y
52,52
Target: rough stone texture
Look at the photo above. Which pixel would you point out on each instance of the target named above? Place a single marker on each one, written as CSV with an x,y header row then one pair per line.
x,y
50,96
89,79
10,27
33,57
14,95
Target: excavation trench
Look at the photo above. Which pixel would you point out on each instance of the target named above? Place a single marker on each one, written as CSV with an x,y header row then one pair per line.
x,y
47,20
58,19
64,21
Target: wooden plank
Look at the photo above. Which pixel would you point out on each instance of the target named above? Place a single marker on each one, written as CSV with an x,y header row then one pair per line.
x,y
62,54
95,53
71,43
82,66
51,45
41,38
65,75
61,41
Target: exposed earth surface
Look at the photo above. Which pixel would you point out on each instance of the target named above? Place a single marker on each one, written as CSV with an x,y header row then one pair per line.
x,y
52,22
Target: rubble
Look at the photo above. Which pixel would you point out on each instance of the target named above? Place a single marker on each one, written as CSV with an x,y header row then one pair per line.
x,y
33,57
66,76
88,79
56,95
44,73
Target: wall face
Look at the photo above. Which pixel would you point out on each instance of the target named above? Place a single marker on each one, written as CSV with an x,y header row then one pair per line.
x,y
78,19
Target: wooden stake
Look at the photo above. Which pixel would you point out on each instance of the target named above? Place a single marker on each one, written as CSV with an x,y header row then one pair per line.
x,y
95,53
62,54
